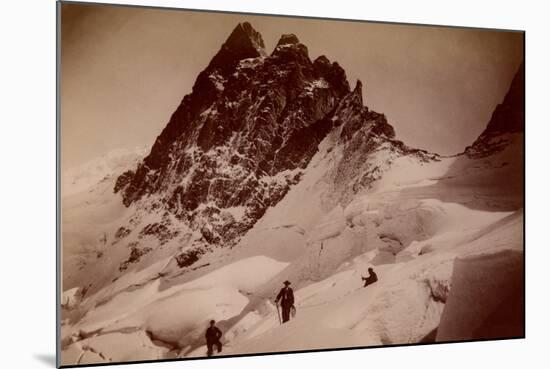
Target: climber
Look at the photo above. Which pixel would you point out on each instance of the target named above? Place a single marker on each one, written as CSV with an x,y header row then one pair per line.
x,y
213,335
371,278
286,295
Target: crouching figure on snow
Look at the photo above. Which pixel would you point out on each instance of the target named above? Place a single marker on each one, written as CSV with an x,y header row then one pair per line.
x,y
371,278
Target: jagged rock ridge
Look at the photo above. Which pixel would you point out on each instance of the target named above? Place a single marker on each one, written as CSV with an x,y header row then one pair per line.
x,y
508,119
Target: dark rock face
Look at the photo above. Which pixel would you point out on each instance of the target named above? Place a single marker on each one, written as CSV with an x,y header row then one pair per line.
x,y
121,233
288,39
188,258
508,118
243,136
134,257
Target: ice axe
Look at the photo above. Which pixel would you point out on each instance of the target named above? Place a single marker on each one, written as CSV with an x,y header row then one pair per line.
x,y
278,313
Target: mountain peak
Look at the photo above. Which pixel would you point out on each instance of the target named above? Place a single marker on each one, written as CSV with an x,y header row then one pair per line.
x,y
288,39
290,46
244,35
243,42
358,90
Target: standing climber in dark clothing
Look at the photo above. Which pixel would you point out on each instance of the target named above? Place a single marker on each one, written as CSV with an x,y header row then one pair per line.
x,y
286,295
371,278
213,335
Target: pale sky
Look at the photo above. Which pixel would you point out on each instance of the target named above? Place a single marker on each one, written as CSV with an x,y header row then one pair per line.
x,y
125,70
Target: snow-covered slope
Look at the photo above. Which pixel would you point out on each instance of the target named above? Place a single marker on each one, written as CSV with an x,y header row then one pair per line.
x,y
90,210
85,176
411,233
411,229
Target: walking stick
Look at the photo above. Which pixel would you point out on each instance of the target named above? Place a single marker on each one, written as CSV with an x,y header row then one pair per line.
x,y
278,314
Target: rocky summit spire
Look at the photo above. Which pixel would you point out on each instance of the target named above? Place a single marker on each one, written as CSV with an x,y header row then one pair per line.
x,y
245,36
244,42
358,91
288,39
290,48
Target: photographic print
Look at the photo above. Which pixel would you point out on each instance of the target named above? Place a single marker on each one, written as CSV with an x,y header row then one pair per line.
x,y
240,184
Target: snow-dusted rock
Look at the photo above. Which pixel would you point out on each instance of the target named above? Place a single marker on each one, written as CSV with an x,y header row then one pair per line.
x,y
71,297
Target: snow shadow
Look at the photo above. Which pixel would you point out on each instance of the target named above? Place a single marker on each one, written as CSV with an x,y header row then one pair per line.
x,y
490,184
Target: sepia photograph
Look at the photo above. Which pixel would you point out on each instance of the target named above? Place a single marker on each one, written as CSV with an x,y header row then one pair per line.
x,y
241,184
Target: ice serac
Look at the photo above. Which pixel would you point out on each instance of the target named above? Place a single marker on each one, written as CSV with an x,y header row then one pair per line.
x,y
507,121
495,307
